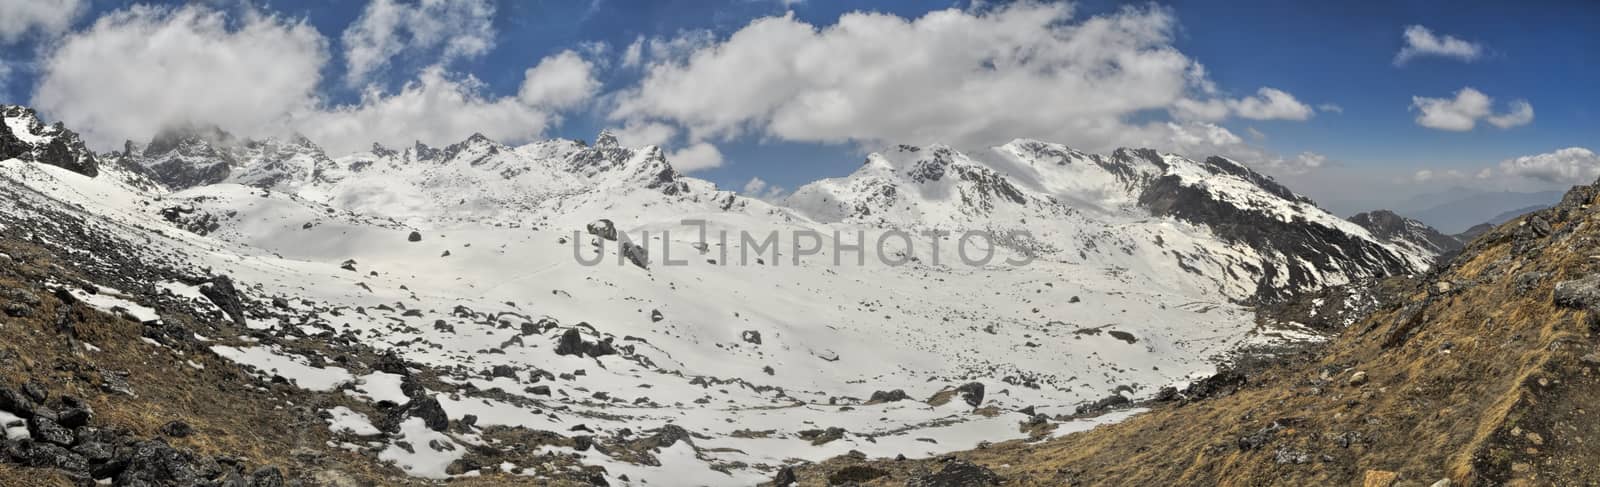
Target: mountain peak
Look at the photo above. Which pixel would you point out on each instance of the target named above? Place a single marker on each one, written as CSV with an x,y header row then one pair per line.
x,y
24,137
606,139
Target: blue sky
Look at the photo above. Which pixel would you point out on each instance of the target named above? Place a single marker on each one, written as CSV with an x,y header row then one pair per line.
x,y
1320,54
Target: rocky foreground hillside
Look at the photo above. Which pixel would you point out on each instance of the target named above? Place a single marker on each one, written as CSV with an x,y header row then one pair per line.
x,y
1482,373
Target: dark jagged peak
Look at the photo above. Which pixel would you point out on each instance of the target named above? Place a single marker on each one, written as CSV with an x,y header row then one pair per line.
x,y
384,152
606,157
190,140
186,156
24,137
1393,228
1222,165
476,150
421,152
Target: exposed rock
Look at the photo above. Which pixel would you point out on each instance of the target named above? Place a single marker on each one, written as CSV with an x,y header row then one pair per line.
x,y
221,292
751,336
972,393
153,462
603,228
785,478
636,254
1104,404
414,237
879,397
855,473
957,473
48,430
572,343
176,429
267,477
1583,293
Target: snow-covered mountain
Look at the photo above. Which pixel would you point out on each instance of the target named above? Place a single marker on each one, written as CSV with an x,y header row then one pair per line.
x,y
468,264
1215,219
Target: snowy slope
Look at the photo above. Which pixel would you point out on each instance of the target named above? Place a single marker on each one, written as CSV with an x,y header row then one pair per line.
x,y
467,259
1224,226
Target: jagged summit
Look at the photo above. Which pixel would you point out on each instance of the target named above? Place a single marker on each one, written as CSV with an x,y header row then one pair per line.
x,y
1280,240
24,137
1394,228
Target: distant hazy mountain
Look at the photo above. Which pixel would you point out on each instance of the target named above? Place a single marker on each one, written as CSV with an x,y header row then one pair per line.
x,y
1456,209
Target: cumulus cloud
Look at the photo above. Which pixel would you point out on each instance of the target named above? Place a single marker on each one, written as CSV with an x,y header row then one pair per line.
x,y
1267,104
436,108
138,70
759,189
560,81
1421,42
971,79
1462,113
1270,104
453,29
48,17
257,75
1572,165
1521,114
695,157
1299,164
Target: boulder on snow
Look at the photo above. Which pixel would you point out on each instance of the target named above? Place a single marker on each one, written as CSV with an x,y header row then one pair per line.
x,y
414,237
972,393
222,293
636,254
603,228
879,397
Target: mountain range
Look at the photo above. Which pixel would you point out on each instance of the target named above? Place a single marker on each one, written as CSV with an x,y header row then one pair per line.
x,y
428,312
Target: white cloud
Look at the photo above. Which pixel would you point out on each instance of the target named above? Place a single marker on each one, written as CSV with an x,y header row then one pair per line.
x,y
1270,104
435,109
966,78
1423,176
1521,114
754,186
759,189
564,80
1266,104
1421,42
257,75
1462,113
48,17
1572,165
138,70
454,29
698,156
634,55
1330,108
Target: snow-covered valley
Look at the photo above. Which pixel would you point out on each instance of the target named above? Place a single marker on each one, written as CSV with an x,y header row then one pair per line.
x,y
470,261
